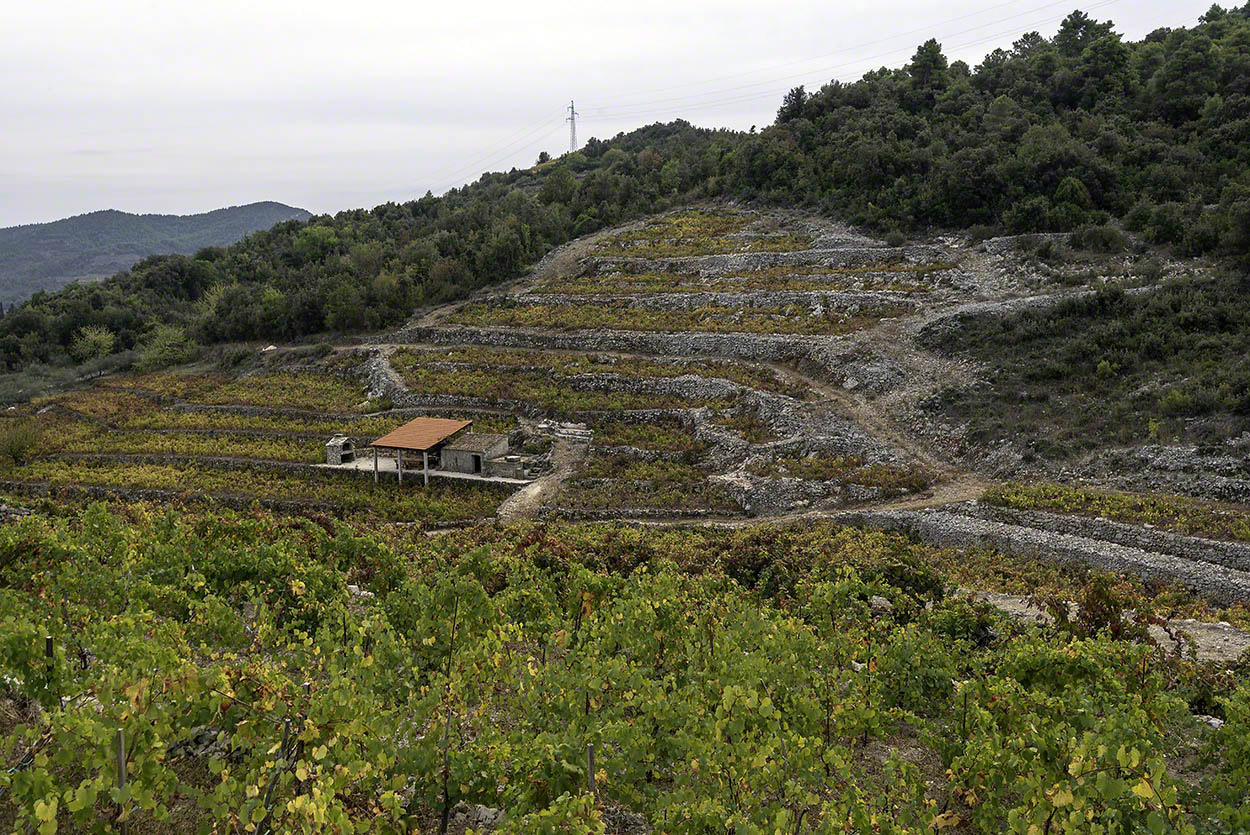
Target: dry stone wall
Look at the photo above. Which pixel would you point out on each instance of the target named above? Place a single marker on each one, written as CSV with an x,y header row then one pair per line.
x,y
842,301
745,346
835,257
946,529
1228,554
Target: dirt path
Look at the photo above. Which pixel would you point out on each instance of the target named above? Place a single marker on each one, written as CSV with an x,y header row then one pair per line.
x,y
526,502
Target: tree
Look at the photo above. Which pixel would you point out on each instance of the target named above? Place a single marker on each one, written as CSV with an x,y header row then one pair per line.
x,y
559,187
17,438
1105,66
345,310
165,346
1028,44
1078,31
314,243
792,105
929,77
92,342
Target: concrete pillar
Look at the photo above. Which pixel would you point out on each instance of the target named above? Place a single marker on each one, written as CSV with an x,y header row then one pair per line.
x,y
375,465
425,467
399,464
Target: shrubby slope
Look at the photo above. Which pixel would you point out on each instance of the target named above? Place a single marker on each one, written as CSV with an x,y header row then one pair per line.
x,y
1051,134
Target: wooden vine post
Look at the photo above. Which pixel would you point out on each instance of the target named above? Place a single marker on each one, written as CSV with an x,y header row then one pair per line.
x,y
122,823
53,687
590,772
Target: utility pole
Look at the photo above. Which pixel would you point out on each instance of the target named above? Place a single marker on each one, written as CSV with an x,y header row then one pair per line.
x,y
572,120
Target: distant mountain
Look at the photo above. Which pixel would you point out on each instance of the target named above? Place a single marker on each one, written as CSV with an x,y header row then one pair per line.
x,y
47,256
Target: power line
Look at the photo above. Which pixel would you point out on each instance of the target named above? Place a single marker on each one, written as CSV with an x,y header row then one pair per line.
x,y
454,180
896,36
521,138
572,120
693,98
683,104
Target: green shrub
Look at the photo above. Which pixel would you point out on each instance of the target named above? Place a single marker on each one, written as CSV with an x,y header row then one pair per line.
x,y
18,439
1106,239
165,346
916,671
92,342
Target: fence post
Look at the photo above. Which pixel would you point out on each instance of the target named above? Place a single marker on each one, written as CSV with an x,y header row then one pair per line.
x,y
124,825
590,771
51,669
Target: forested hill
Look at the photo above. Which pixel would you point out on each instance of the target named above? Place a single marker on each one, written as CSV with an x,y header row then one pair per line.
x,y
47,256
1080,131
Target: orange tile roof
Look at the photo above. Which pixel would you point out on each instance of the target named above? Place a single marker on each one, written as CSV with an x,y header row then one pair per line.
x,y
422,434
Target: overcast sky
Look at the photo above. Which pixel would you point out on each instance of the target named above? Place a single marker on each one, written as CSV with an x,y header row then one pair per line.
x,y
188,106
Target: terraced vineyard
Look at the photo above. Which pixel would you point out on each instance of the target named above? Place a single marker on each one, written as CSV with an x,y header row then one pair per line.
x,y
233,441
696,322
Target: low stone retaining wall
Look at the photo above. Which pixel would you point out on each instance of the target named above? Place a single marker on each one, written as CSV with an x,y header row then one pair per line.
x,y
215,462
844,301
686,386
230,500
265,411
625,514
133,494
416,400
951,530
745,346
633,417
639,453
1228,554
838,257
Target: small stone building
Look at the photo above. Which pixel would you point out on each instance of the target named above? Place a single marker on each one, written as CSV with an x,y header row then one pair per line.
x,y
510,466
472,452
444,445
340,450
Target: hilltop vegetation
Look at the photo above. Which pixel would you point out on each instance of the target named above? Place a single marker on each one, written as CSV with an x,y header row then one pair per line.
x,y
47,256
1062,133
1049,135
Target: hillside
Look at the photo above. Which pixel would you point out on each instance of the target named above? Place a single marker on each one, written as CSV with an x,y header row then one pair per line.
x,y
808,513
47,256
1082,131
756,536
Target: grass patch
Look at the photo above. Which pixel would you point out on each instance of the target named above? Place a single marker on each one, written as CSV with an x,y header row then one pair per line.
x,y
662,437
619,315
540,387
899,278
89,439
650,247
571,364
440,502
848,470
607,482
283,390
748,426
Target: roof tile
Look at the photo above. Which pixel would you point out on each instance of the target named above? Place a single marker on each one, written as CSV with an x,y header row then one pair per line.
x,y
422,434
